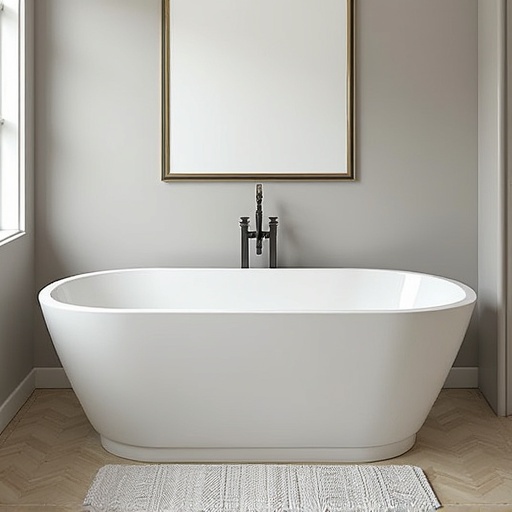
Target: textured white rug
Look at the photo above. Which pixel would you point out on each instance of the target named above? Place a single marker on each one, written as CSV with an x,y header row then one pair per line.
x,y
260,488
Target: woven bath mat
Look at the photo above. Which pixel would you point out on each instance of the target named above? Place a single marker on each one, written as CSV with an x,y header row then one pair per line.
x,y
260,488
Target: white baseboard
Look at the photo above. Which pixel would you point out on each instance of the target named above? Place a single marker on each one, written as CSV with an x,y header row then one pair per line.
x,y
37,378
459,377
45,378
462,377
16,399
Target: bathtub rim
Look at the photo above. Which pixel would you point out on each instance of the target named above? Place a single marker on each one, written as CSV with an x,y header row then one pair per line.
x,y
46,299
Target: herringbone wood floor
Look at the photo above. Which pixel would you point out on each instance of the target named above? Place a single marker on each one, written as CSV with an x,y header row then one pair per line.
x,y
49,454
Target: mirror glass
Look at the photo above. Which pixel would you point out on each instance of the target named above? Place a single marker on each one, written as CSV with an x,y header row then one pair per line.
x,y
257,89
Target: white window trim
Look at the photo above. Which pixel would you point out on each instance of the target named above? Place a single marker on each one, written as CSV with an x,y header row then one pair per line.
x,y
12,113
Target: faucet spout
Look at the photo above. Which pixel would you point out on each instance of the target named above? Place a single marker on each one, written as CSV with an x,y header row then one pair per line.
x,y
259,218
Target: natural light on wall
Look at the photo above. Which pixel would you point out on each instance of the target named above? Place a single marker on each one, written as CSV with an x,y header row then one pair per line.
x,y
12,115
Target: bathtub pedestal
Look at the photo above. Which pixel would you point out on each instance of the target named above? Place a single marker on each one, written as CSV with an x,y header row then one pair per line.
x,y
357,454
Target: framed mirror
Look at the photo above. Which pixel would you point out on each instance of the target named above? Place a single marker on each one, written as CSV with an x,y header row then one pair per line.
x,y
257,89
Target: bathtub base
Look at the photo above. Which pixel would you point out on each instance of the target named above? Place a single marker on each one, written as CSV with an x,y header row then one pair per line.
x,y
357,454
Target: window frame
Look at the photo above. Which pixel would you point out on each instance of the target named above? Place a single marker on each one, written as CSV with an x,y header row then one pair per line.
x,y
12,119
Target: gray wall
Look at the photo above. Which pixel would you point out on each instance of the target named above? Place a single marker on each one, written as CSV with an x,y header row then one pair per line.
x,y
492,184
100,203
17,266
507,263
16,313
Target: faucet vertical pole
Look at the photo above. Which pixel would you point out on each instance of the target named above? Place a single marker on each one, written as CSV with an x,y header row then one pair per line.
x,y
259,218
244,250
272,224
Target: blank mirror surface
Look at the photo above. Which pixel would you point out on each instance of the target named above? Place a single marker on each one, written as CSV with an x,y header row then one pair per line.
x,y
257,89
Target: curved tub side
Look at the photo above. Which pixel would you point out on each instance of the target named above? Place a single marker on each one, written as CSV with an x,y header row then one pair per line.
x,y
350,385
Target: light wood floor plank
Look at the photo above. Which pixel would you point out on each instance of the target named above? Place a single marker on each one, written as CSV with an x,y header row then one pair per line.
x,y
49,454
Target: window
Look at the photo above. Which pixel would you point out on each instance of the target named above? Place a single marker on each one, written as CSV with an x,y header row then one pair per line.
x,y
12,74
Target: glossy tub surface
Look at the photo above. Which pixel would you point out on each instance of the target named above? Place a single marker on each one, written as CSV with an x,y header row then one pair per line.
x,y
257,364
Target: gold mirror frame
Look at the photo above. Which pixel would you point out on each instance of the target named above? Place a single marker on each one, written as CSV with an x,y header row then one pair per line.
x,y
348,175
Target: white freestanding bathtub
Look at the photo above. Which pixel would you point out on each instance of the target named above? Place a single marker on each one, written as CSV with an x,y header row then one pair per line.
x,y
257,364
